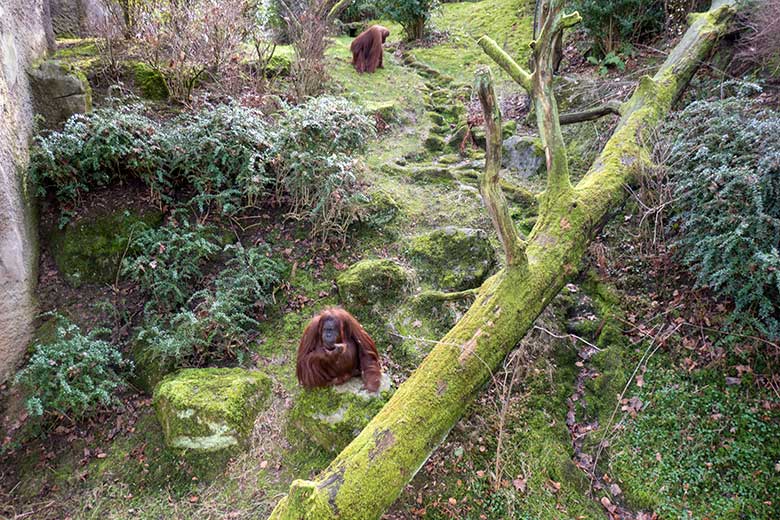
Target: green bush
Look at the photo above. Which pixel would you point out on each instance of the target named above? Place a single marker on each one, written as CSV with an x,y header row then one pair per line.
x,y
224,319
360,10
313,153
219,159
615,23
413,15
73,374
220,153
97,149
168,261
725,167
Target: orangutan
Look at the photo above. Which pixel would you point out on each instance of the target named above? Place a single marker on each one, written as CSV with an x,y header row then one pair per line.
x,y
333,349
367,49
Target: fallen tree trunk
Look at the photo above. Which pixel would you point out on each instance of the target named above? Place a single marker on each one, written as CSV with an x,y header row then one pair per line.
x,y
370,473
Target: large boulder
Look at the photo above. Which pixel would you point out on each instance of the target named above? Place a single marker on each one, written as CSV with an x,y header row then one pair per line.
x,y
209,413
370,282
59,91
523,155
452,259
90,249
331,417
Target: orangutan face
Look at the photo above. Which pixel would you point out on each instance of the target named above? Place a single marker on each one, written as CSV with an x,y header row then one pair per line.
x,y
330,334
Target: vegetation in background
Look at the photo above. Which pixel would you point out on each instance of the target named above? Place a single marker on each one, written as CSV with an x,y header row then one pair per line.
x,y
724,164
220,152
228,155
73,374
613,24
315,168
413,15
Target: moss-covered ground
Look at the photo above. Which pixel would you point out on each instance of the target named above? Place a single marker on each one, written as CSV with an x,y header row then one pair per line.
x,y
699,447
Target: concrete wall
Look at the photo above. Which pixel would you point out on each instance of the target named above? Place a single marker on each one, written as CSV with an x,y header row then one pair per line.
x,y
22,41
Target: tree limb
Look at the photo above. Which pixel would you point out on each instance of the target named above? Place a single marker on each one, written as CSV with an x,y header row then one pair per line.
x,y
591,114
489,181
505,61
370,473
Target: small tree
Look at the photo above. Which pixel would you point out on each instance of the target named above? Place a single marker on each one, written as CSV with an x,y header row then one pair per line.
x,y
308,24
413,15
613,23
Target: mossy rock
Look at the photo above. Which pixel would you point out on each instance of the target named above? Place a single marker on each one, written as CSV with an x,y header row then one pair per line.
x,y
371,282
331,417
207,414
148,368
452,259
91,249
381,209
59,90
434,143
387,110
524,155
150,82
279,65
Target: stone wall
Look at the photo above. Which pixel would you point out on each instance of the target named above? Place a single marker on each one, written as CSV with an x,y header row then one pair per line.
x,y
22,42
76,17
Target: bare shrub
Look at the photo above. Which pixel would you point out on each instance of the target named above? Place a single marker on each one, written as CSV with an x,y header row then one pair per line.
x,y
760,47
188,41
308,24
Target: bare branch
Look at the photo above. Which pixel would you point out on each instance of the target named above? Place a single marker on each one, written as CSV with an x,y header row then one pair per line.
x,y
503,60
591,114
489,181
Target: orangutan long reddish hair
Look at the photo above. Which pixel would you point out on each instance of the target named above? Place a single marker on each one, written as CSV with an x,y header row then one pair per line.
x,y
367,49
334,347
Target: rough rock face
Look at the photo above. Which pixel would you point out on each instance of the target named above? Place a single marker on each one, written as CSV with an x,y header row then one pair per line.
x,y
333,416
76,17
59,91
208,412
523,155
22,41
452,259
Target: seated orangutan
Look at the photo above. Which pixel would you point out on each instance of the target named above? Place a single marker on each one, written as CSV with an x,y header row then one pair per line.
x,y
367,49
334,348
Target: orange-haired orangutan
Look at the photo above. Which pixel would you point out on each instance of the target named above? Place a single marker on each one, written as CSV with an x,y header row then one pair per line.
x,y
367,49
334,347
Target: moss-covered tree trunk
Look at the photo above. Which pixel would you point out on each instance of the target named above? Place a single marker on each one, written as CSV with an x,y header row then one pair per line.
x,y
370,473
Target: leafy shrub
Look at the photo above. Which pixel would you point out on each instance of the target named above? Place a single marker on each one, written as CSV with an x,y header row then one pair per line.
x,y
220,153
725,167
312,153
614,23
360,10
224,317
97,149
223,157
167,261
73,374
413,15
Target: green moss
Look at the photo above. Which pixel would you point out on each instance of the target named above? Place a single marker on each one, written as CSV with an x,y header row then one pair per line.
x,y
149,81
207,414
452,258
506,21
90,250
371,282
699,449
332,417
148,368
